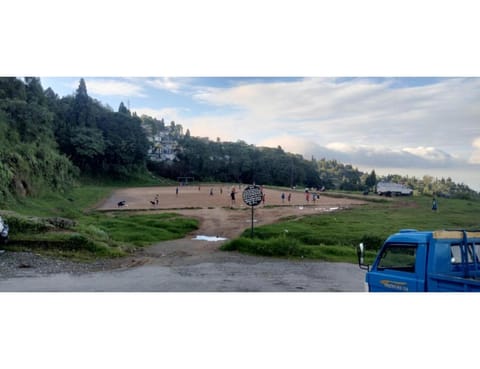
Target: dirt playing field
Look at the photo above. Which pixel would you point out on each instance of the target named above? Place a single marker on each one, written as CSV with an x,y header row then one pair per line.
x,y
218,215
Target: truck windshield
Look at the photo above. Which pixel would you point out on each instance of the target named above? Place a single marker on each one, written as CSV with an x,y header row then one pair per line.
x,y
399,257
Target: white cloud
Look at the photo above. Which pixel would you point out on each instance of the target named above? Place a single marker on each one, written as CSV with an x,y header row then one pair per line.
x,y
360,112
226,128
428,153
291,144
168,84
475,157
206,126
112,87
168,114
408,161
340,146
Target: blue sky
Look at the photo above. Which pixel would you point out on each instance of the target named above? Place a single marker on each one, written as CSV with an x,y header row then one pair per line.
x,y
415,126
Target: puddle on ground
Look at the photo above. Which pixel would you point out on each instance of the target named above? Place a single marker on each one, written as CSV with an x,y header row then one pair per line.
x,y
209,238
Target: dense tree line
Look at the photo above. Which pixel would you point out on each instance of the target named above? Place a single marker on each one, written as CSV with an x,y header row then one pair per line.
x,y
97,140
428,185
47,141
239,162
30,159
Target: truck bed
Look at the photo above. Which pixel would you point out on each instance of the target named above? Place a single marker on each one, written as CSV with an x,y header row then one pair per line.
x,y
452,283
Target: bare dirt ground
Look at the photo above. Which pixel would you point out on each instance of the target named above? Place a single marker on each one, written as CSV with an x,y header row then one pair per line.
x,y
217,215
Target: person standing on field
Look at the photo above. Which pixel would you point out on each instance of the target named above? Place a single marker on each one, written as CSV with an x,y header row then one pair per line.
x,y
232,196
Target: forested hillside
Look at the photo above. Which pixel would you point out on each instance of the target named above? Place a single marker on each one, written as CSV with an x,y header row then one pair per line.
x,y
47,142
30,159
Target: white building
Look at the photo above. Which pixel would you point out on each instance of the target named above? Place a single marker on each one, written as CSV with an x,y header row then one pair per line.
x,y
390,188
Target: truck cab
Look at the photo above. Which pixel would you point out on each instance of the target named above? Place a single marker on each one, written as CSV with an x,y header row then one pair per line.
x,y
426,261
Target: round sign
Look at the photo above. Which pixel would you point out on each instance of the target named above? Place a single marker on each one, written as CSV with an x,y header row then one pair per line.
x,y
252,195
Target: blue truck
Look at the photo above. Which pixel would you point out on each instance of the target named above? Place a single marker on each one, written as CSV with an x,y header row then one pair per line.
x,y
425,261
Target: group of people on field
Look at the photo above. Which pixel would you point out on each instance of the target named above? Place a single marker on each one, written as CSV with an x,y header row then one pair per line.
x,y
233,193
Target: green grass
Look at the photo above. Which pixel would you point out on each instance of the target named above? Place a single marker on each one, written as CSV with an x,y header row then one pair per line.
x,y
333,236
71,204
92,234
140,230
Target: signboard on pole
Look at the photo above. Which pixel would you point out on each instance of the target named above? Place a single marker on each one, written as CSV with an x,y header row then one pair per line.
x,y
252,195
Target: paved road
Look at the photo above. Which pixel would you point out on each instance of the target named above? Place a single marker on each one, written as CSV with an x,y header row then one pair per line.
x,y
247,274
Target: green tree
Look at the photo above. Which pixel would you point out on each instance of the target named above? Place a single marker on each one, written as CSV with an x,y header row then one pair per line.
x,y
12,88
82,107
34,90
371,180
30,161
122,109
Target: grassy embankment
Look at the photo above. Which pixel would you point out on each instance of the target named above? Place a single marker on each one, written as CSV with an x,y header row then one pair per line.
x,y
333,236
67,225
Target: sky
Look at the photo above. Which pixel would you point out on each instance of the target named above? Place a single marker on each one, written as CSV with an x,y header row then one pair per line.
x,y
404,125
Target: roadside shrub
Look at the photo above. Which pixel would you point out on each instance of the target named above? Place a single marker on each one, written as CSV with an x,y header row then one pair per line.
x,y
20,224
59,222
78,242
278,246
95,232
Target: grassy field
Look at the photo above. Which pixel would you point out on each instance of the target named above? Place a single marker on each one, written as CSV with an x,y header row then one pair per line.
x,y
333,236
66,225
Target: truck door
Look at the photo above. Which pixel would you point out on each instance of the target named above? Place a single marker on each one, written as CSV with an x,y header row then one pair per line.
x,y
395,270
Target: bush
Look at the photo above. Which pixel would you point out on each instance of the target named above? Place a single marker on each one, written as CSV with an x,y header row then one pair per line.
x,y
278,246
78,242
21,224
63,223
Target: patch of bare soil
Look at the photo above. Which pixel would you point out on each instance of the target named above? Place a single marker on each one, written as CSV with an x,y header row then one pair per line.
x,y
217,216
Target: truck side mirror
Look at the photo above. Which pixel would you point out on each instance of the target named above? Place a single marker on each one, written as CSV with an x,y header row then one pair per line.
x,y
361,256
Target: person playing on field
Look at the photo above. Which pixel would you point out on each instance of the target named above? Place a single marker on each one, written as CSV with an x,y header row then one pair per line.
x,y
232,196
